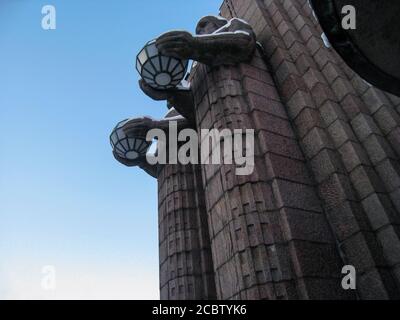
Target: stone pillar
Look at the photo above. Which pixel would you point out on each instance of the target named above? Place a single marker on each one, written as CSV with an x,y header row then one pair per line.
x,y
186,269
347,132
270,237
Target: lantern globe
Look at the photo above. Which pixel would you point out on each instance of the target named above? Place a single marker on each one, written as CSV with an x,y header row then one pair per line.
x,y
129,148
159,71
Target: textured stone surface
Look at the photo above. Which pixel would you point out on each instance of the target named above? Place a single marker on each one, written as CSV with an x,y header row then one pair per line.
x,y
326,187
186,268
268,231
348,133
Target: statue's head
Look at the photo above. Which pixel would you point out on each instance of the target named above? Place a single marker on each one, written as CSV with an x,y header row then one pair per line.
x,y
210,24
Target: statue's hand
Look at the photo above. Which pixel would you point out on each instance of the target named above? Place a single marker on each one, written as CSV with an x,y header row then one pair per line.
x,y
177,44
139,127
129,163
158,95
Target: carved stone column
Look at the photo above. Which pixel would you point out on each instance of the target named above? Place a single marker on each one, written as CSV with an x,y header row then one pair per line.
x,y
186,269
269,236
348,131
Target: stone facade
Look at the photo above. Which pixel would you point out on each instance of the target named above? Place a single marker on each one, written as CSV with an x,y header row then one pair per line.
x,y
325,191
270,238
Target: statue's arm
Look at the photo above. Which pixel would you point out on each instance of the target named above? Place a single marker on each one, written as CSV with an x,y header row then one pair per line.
x,y
141,162
224,49
232,44
140,126
150,169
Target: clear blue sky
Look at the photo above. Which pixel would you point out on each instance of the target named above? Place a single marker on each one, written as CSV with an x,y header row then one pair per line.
x,y
64,200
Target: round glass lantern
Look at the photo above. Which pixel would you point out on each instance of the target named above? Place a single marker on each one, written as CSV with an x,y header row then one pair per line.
x,y
129,148
158,71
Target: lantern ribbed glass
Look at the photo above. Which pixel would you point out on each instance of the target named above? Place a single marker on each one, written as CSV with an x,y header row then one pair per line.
x,y
129,148
158,71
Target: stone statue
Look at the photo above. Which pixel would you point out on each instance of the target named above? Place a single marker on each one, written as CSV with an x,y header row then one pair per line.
x,y
217,42
139,127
